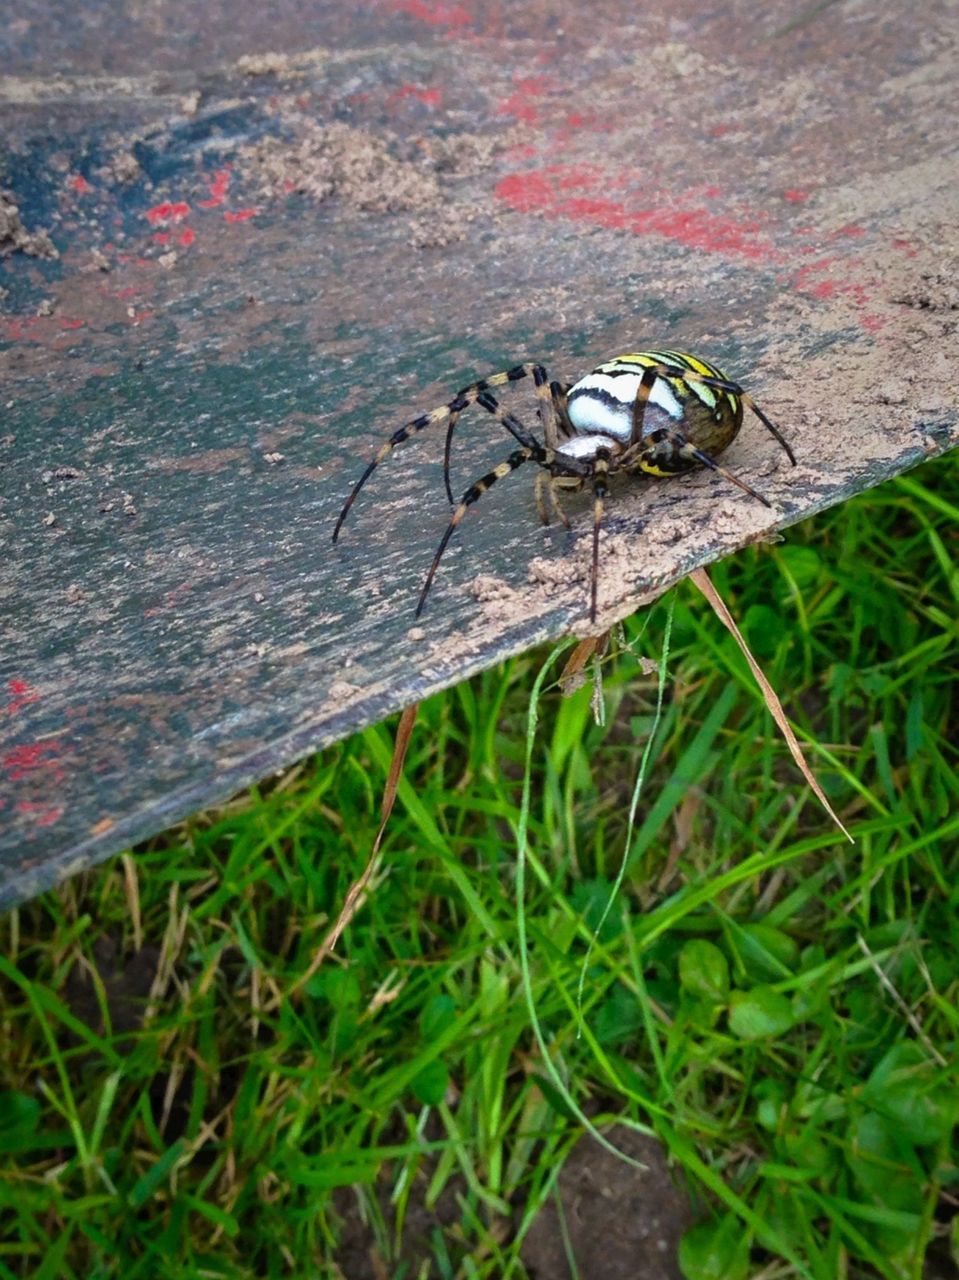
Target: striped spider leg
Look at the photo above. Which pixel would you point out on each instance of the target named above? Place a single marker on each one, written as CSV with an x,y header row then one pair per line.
x,y
551,406
692,377
549,397
554,463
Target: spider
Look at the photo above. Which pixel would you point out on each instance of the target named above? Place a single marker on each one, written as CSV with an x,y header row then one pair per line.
x,y
657,412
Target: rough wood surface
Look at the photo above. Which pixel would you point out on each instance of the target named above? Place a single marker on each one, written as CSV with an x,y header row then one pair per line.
x,y
279,239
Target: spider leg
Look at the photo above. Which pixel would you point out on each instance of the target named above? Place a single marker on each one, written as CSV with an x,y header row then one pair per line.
x,y
479,393
720,384
642,399
558,392
453,407
554,487
751,404
447,449
546,490
644,390
686,450
600,490
472,494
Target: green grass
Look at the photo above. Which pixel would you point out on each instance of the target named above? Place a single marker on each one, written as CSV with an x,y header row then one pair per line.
x,y
778,1006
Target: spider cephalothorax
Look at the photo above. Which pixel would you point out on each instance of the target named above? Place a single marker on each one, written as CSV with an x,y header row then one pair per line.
x,y
658,412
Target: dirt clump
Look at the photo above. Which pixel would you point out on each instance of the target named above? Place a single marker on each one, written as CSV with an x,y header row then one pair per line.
x,y
376,172
339,160
14,236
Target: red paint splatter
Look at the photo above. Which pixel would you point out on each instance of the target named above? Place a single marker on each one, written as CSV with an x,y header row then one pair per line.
x,y
128,291
18,327
80,185
72,324
851,229
796,195
239,215
31,757
696,227
907,247
21,695
813,268
872,323
218,185
525,192
573,123
859,292
186,238
168,211
44,814
521,102
575,178
437,15
432,97
162,237
700,229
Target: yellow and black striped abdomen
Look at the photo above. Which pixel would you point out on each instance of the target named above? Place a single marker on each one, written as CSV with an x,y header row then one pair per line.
x,y
709,417
712,397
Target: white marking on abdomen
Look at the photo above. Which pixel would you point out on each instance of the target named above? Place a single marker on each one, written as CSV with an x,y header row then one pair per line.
x,y
587,446
604,402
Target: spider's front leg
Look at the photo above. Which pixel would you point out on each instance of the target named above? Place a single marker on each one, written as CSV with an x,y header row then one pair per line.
x,y
551,398
473,494
450,410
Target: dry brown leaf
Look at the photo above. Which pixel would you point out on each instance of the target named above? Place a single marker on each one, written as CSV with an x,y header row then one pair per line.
x,y
702,581
573,676
356,895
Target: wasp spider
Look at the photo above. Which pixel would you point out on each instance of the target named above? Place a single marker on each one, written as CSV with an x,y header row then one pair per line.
x,y
656,412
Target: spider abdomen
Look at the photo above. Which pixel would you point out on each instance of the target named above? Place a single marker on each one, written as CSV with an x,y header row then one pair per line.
x,y
604,403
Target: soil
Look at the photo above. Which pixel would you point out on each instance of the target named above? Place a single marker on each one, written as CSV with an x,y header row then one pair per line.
x,y
621,1223
125,981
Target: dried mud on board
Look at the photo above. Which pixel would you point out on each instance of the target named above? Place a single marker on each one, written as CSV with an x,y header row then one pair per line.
x,y
14,236
375,172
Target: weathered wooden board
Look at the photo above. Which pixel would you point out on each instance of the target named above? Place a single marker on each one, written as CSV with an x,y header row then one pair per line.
x,y
280,235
